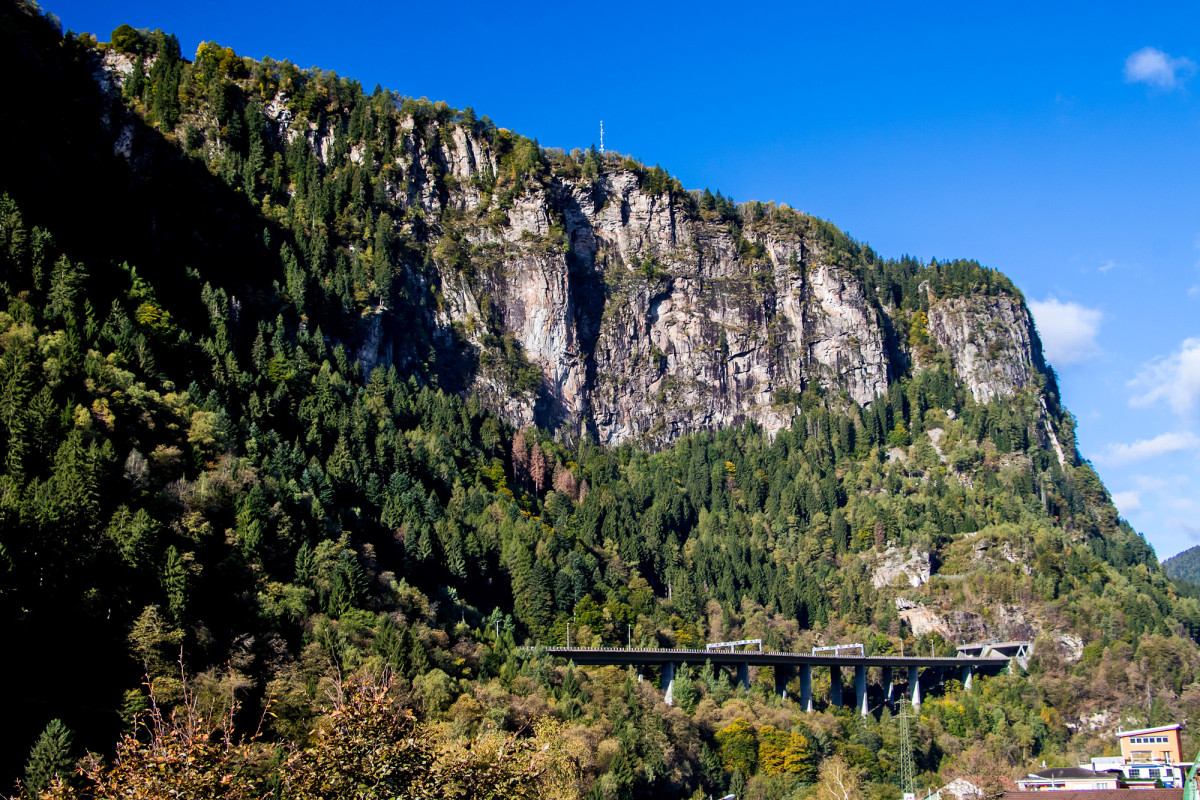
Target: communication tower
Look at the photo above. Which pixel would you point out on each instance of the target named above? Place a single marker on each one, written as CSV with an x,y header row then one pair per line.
x,y
601,136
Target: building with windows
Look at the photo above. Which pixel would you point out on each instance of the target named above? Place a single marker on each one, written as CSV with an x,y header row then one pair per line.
x,y
1152,744
1149,756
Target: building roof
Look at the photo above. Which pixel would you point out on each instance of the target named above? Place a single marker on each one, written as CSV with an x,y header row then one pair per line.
x,y
1061,773
1101,794
1140,731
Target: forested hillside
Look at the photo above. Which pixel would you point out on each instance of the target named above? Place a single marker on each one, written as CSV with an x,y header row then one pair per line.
x,y
1185,566
263,407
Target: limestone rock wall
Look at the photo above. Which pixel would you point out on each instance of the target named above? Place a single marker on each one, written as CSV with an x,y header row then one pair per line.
x,y
644,319
648,323
990,340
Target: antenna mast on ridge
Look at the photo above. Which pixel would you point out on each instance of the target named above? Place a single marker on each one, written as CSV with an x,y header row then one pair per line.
x,y
601,136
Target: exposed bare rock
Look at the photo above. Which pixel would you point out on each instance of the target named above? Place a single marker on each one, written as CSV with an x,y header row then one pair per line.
x,y
372,348
954,626
922,620
1070,646
1101,720
911,564
990,340
935,438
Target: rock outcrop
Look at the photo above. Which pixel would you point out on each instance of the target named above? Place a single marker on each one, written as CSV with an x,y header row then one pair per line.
x,y
644,316
911,565
991,339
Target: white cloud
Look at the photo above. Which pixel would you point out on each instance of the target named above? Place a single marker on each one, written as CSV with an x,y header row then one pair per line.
x,y
1149,483
1191,529
1194,290
1107,265
1144,449
1068,330
1127,502
1153,67
1174,378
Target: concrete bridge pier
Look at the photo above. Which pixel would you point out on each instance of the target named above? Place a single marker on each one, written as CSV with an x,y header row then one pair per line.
x,y
782,676
889,687
806,701
743,675
835,685
860,689
914,687
968,673
668,683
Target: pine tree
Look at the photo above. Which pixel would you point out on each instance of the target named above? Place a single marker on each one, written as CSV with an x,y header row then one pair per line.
x,y
622,772
737,784
685,693
50,756
66,280
305,565
570,686
174,582
382,260
387,644
710,767
418,659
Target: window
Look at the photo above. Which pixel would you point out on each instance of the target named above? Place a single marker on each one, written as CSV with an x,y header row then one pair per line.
x,y
1153,773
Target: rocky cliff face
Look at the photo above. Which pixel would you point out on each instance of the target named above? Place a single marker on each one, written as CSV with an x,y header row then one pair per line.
x,y
651,324
991,339
645,316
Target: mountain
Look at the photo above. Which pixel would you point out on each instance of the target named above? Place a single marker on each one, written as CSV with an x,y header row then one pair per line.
x,y
574,291
305,382
1184,566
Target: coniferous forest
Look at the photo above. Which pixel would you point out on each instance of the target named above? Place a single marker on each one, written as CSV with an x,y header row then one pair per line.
x,y
236,562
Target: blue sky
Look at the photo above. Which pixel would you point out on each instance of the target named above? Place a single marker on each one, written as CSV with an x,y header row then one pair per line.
x,y
1057,145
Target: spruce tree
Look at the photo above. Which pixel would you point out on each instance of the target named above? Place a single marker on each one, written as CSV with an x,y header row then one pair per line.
x,y
387,643
50,756
174,583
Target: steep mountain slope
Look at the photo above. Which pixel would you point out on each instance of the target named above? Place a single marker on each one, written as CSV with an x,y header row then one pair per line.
x,y
266,395
1184,566
644,312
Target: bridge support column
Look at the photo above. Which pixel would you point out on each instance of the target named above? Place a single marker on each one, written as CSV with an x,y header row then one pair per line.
x,y
782,676
968,672
835,685
806,701
889,687
914,687
668,683
743,675
860,689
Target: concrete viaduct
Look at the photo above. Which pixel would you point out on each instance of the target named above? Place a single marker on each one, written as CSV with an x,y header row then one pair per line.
x,y
970,660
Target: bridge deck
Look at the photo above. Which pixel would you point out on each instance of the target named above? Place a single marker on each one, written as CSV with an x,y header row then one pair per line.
x,y
648,657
